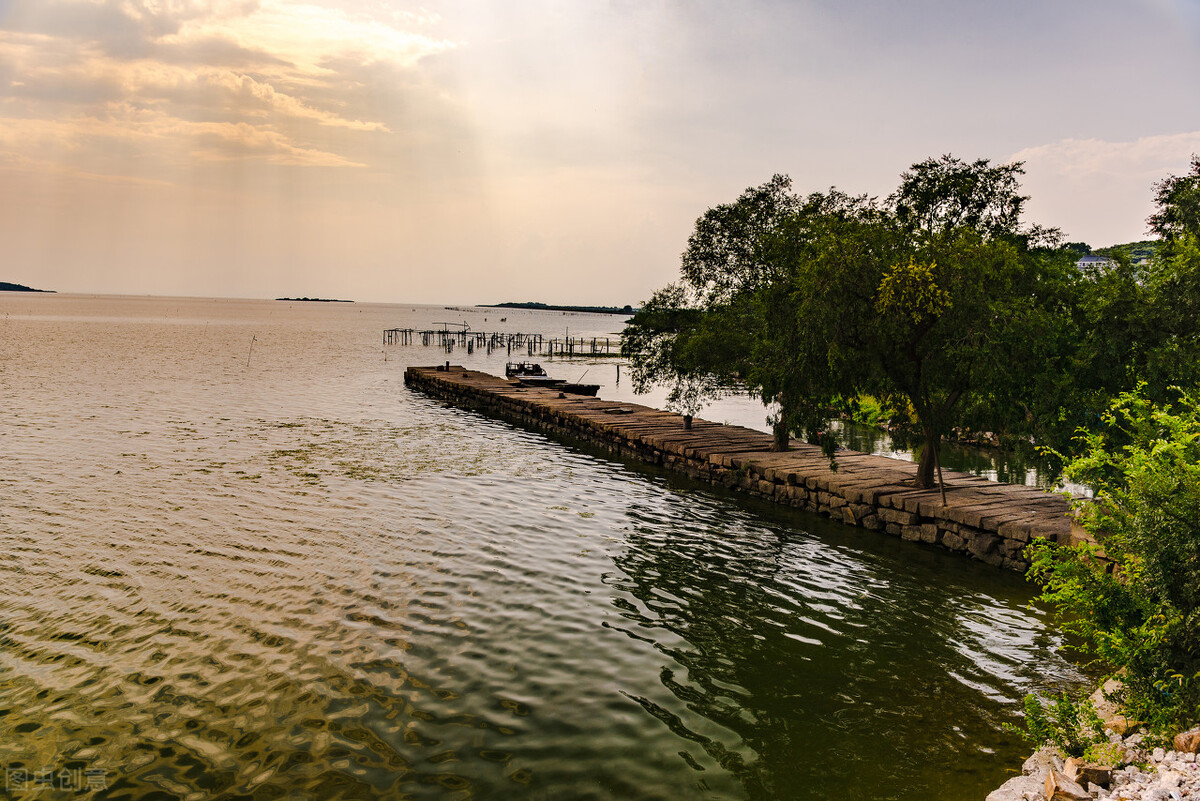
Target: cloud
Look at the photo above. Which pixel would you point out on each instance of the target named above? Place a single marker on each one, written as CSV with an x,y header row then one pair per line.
x,y
1146,157
307,35
229,79
1102,191
124,128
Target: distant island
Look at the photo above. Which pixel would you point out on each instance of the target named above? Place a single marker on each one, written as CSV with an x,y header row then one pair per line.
x,y
5,286
317,300
548,307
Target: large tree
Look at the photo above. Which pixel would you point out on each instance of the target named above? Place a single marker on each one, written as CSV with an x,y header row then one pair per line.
x,y
1178,214
919,299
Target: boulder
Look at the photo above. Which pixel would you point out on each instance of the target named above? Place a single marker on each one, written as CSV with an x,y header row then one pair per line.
x,y
1059,788
1188,742
1041,761
1019,788
1084,774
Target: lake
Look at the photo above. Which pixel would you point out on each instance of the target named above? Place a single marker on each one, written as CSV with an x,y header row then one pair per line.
x,y
240,558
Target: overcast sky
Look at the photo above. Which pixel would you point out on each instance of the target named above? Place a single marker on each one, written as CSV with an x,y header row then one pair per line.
x,y
477,151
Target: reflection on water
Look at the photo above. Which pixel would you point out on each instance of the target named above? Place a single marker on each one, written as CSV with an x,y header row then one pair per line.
x,y
993,463
298,579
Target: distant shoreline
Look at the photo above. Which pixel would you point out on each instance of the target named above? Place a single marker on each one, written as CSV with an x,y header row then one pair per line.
x,y
316,300
5,286
549,307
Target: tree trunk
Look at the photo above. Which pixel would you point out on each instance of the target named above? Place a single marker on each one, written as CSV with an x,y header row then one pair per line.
x,y
781,436
926,478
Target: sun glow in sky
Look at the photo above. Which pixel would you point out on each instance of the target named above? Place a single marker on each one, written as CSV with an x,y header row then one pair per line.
x,y
471,151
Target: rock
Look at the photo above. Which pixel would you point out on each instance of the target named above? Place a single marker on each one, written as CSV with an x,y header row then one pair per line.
x,y
1084,774
1059,788
1170,779
1019,788
1041,761
1188,742
1108,710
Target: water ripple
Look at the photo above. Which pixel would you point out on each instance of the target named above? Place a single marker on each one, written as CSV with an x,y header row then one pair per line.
x,y
298,579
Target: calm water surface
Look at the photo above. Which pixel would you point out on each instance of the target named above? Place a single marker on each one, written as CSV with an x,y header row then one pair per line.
x,y
294,578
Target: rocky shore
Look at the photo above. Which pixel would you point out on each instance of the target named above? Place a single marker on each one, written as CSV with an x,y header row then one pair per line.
x,y
1140,773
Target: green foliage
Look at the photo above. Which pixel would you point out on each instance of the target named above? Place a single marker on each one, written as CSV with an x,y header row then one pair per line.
x,y
1178,200
1135,596
919,300
1144,249
661,340
926,301
866,410
1104,753
1071,726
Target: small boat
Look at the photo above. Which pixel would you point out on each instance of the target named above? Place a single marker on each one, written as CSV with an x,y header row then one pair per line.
x,y
528,374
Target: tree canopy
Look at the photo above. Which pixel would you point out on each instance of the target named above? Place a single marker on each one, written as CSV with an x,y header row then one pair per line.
x,y
939,301
918,299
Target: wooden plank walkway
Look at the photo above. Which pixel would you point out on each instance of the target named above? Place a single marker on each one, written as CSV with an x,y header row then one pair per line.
x,y
984,519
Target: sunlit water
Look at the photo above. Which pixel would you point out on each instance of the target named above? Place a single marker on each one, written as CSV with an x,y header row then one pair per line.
x,y
240,559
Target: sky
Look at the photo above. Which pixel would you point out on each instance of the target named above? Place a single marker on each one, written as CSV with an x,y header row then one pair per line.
x,y
557,150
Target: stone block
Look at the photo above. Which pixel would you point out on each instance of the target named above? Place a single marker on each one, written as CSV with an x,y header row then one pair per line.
x,y
862,510
929,533
893,529
1011,548
910,533
953,541
994,559
1016,530
983,544
872,522
969,532
897,516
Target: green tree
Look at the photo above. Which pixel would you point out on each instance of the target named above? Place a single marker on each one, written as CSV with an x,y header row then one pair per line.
x,y
1173,284
714,330
1135,597
1140,322
1178,200
919,300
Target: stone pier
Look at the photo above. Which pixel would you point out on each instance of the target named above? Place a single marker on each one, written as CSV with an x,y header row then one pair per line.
x,y
981,519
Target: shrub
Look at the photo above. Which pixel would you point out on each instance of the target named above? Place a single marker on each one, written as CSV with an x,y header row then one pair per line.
x,y
1072,727
1135,597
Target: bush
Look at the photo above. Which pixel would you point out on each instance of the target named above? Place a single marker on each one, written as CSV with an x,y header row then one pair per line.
x,y
867,411
1135,597
1073,727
